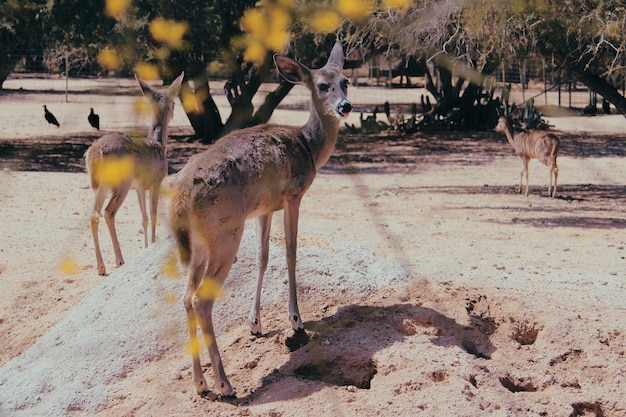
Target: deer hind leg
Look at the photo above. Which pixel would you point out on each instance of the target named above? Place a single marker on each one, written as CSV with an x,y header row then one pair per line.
x,y
196,272
117,198
101,194
222,251
264,224
141,195
555,171
154,202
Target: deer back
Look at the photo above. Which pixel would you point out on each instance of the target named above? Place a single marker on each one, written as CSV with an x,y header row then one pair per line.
x,y
259,166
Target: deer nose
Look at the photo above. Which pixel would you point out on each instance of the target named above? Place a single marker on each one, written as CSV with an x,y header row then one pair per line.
x,y
345,107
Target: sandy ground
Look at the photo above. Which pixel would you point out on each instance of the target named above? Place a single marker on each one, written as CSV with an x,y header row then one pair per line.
x,y
428,285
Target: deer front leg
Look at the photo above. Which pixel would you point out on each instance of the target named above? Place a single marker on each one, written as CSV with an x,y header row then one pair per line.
x,y
291,209
117,198
525,160
263,226
141,195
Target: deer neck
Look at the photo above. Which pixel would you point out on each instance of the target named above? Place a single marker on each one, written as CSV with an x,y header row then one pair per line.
x,y
510,134
320,133
159,133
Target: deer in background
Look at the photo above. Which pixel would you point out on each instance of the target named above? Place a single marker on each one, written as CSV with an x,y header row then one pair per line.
x,y
533,144
252,173
143,159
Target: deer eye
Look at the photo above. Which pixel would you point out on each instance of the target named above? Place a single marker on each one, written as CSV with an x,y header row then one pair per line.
x,y
344,84
323,87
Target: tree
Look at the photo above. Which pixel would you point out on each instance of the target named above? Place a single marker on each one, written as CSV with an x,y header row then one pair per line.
x,y
20,33
470,38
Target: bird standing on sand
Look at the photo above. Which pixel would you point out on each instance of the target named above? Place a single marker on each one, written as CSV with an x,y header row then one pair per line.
x,y
94,119
50,117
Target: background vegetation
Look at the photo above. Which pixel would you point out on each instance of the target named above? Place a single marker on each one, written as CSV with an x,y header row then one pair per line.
x,y
460,45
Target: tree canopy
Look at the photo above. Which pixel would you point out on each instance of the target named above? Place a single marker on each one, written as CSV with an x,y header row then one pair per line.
x,y
158,38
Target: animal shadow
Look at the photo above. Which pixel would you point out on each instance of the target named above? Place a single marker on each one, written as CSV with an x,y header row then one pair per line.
x,y
342,347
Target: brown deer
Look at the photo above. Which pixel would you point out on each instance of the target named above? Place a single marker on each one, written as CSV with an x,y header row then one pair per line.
x,y
252,173
533,144
140,164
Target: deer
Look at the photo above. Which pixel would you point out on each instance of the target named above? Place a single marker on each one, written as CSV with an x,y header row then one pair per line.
x,y
251,173
533,144
146,168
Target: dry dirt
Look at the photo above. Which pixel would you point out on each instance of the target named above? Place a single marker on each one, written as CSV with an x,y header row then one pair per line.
x,y
428,285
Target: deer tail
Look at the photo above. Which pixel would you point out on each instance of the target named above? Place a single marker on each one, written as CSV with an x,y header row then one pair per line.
x,y
179,217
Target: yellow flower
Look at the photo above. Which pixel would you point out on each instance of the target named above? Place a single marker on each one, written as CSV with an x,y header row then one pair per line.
x,y
68,266
168,31
109,59
255,52
209,289
170,268
116,8
112,171
357,10
325,21
396,4
146,71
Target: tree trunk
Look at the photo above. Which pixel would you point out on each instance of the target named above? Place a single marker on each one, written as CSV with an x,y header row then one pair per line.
x,y
272,100
6,67
205,118
601,86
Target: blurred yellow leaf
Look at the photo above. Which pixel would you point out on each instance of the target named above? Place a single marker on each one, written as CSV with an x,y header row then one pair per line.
x,y
357,10
255,52
108,59
209,289
170,268
143,107
396,4
68,266
161,53
112,171
192,102
253,21
325,21
278,40
168,31
193,347
170,298
116,8
146,71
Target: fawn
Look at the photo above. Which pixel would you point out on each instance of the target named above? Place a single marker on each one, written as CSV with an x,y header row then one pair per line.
x,y
144,163
534,144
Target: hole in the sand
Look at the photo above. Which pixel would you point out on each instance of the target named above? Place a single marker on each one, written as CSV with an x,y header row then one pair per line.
x,y
340,371
587,409
517,384
525,334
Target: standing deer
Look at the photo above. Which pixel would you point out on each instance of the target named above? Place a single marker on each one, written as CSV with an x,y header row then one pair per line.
x,y
534,144
140,164
252,173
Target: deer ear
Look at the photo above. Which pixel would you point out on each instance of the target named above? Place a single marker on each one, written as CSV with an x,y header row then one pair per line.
x,y
290,70
336,56
174,88
145,88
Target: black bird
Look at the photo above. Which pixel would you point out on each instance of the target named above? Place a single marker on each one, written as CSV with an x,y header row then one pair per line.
x,y
50,117
94,119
